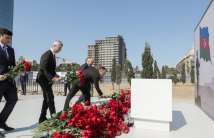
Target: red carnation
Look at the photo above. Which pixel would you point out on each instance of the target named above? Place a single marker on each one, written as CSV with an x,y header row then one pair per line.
x,y
67,136
126,129
56,135
63,116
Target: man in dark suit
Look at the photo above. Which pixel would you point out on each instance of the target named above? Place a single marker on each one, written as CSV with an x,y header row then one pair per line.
x,y
91,75
89,62
46,76
7,86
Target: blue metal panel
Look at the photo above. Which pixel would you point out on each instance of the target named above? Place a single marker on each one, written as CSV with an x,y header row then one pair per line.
x,y
6,14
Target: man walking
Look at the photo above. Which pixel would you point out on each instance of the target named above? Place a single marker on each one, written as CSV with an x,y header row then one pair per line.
x,y
46,76
7,86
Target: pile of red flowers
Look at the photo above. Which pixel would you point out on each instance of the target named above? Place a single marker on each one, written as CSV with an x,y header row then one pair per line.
x,y
104,121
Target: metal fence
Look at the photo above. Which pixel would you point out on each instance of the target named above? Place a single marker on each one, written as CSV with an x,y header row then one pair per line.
x,y
32,87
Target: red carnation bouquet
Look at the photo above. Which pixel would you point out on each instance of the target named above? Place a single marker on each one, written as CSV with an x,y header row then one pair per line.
x,y
23,66
74,74
80,76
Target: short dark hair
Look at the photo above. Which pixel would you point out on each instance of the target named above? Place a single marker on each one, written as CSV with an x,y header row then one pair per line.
x,y
4,31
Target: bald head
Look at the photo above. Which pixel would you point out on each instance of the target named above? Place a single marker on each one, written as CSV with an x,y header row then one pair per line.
x,y
57,46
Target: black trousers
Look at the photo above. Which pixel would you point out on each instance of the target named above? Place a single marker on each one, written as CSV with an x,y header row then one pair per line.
x,y
85,89
48,102
9,91
24,87
82,97
67,86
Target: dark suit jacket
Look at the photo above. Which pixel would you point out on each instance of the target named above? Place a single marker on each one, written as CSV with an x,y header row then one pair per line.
x,y
84,66
6,63
47,67
92,75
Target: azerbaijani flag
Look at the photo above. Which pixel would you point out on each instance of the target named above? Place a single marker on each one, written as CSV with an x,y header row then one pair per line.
x,y
204,44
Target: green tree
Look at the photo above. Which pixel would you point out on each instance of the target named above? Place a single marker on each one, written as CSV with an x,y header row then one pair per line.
x,y
75,65
147,62
192,73
156,73
35,66
64,67
61,67
137,70
183,74
118,75
113,72
163,72
129,71
174,78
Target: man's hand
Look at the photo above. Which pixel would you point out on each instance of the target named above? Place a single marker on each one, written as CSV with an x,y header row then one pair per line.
x,y
3,77
55,79
77,72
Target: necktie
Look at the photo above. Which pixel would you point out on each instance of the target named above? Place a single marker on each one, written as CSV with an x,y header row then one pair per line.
x,y
54,59
5,50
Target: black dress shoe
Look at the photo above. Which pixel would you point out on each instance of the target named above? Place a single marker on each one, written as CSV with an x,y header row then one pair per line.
x,y
6,128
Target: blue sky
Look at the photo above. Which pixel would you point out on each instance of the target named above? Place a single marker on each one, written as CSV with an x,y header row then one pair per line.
x,y
167,25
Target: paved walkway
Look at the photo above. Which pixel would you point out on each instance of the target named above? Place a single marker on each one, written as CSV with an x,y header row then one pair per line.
x,y
188,120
